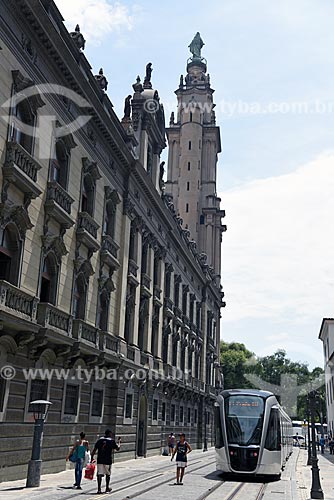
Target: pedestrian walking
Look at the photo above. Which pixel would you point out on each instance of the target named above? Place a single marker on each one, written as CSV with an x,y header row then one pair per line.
x,y
104,448
77,456
171,440
322,444
331,446
182,449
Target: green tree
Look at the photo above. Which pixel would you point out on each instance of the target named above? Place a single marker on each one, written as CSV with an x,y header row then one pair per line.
x,y
233,358
274,369
238,362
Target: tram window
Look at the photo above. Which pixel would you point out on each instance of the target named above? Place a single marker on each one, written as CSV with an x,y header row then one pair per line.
x,y
273,438
219,442
244,419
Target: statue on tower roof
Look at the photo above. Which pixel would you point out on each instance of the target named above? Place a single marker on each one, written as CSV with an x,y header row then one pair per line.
x,y
196,46
147,79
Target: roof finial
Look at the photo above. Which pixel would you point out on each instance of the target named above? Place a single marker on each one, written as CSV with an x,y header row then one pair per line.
x,y
196,46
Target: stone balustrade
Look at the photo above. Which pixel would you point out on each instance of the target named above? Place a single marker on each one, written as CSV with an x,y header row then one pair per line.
x,y
86,222
17,155
82,331
55,192
50,316
18,302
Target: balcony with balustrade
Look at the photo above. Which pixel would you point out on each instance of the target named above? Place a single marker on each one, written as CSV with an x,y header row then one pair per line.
x,y
109,343
21,169
87,231
131,353
157,295
133,273
145,285
178,316
56,321
168,308
86,334
18,309
109,252
58,204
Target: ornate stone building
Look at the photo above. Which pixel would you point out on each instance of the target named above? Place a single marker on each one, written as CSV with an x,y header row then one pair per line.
x,y
98,274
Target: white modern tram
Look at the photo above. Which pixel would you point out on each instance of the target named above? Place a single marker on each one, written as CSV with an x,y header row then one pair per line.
x,y
254,435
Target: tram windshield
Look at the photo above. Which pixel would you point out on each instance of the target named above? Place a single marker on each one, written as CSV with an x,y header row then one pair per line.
x,y
244,419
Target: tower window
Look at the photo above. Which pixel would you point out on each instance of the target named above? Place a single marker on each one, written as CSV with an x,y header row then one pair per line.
x,y
189,146
199,165
199,144
191,116
197,184
187,207
188,165
201,219
188,186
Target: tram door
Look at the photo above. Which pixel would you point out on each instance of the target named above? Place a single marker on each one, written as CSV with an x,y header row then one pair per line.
x,y
142,427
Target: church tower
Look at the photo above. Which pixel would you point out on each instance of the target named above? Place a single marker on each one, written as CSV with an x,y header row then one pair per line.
x,y
194,144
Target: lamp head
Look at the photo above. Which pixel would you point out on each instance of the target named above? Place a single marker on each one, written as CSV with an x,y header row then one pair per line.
x,y
40,408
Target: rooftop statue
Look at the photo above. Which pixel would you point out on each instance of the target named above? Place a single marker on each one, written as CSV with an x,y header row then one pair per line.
x,y
196,46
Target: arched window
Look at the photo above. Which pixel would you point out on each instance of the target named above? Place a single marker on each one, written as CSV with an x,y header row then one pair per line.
x,y
49,279
23,115
79,297
103,311
10,251
59,164
109,220
88,195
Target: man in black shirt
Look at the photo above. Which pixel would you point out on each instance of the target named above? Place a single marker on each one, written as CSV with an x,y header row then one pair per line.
x,y
104,448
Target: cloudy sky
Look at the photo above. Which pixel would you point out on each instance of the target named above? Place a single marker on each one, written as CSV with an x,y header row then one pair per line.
x,y
272,65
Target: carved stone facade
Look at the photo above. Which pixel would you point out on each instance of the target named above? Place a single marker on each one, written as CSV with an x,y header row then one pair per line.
x,y
97,271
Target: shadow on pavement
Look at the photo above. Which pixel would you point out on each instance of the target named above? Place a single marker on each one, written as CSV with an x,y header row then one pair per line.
x,y
237,478
15,489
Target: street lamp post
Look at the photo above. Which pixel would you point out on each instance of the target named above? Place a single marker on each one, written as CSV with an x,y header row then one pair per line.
x,y
309,454
316,490
40,409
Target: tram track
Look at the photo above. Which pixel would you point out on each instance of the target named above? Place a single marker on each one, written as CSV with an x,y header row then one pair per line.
x,y
171,477
151,477
236,490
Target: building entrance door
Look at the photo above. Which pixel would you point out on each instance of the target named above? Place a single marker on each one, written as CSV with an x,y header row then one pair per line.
x,y
142,427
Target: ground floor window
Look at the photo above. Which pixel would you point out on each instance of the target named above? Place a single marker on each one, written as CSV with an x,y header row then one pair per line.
x,y
38,390
128,405
172,413
71,399
97,403
163,412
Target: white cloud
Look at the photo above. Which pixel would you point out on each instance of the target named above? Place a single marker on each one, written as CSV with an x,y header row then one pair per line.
x,y
96,18
278,252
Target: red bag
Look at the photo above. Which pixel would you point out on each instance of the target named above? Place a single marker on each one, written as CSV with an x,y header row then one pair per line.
x,y
89,471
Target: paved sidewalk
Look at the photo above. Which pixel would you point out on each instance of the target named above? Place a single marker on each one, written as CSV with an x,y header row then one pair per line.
x,y
304,475
294,485
53,486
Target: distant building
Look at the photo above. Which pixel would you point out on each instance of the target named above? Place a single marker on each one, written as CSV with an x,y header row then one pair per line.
x,y
327,336
97,270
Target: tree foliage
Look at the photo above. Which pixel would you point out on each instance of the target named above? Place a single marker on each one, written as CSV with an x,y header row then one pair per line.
x,y
242,369
233,357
